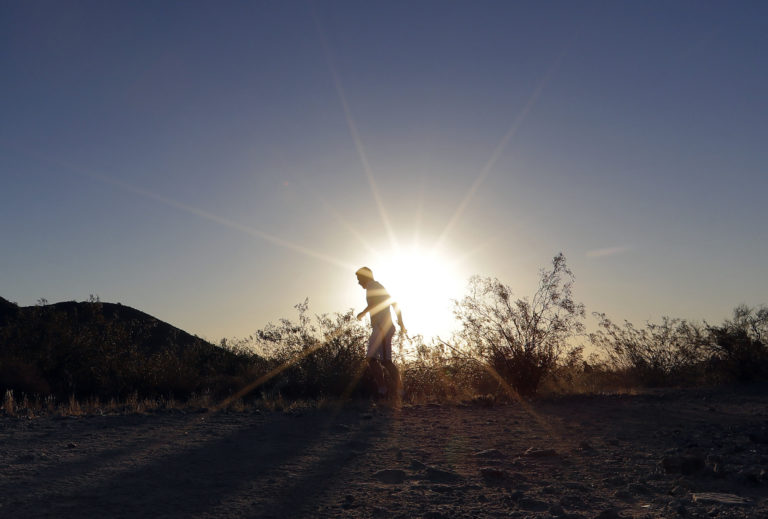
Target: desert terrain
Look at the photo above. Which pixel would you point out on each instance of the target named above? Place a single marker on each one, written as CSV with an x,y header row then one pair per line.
x,y
686,453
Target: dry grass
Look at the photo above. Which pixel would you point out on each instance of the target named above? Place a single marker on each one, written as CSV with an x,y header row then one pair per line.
x,y
9,405
26,407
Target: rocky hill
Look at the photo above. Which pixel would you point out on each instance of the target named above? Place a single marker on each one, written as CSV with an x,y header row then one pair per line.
x,y
105,349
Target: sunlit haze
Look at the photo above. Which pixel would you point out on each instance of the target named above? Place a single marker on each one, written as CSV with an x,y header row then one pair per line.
x,y
424,282
215,163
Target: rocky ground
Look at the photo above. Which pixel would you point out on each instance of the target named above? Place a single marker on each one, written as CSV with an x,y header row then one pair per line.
x,y
664,454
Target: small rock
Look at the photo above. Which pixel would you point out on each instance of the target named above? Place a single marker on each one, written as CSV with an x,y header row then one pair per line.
x,y
540,453
637,488
571,501
556,510
679,507
417,465
434,515
532,505
682,464
390,476
443,476
615,481
718,470
585,446
489,453
678,490
752,475
624,495
71,445
610,513
366,416
493,475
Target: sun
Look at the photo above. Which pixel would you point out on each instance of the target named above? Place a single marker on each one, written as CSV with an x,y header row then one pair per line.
x,y
424,284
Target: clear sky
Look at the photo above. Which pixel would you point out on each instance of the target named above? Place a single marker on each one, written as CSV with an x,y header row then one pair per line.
x,y
214,163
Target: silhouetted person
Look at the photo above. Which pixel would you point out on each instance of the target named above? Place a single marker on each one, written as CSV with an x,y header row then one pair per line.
x,y
380,344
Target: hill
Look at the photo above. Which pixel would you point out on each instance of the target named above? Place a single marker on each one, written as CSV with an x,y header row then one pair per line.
x,y
108,350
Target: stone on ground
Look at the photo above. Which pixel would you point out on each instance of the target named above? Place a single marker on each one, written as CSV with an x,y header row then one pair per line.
x,y
390,476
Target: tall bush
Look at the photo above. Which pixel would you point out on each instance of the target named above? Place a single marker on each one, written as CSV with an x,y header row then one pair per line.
x,y
316,357
520,339
739,347
666,353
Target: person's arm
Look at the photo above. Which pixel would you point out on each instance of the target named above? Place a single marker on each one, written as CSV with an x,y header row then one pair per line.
x,y
362,314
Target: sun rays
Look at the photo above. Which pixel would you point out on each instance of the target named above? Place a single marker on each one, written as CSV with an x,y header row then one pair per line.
x,y
423,282
231,224
423,276
357,141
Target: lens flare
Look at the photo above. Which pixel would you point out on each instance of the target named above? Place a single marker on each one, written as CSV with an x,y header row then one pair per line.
x,y
423,283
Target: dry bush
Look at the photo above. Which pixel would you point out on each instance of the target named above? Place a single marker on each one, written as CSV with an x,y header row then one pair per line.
x,y
679,352
663,354
575,375
738,349
435,374
520,339
9,405
22,375
314,358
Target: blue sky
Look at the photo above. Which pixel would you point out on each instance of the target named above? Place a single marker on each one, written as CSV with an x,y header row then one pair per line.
x,y
215,163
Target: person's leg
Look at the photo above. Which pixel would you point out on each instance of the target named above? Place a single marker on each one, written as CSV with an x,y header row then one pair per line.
x,y
374,364
395,383
377,375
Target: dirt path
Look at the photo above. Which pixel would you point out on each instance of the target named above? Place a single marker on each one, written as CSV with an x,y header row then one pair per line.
x,y
664,455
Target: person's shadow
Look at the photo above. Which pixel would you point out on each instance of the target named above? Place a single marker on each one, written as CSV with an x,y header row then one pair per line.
x,y
279,465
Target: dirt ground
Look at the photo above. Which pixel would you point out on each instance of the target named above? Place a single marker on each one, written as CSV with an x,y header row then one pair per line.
x,y
666,454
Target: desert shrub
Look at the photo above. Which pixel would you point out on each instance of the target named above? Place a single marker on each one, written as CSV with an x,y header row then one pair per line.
x,y
520,339
22,376
569,375
314,358
737,348
436,372
667,353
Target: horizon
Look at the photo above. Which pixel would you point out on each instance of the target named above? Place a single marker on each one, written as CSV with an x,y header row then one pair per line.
x,y
214,166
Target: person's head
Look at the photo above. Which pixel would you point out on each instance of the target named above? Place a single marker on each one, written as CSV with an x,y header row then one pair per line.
x,y
364,276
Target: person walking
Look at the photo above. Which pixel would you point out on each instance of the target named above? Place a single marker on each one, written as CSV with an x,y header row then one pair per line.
x,y
378,306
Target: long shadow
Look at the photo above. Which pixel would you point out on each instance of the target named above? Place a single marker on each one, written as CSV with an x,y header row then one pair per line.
x,y
305,494
267,470
48,477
